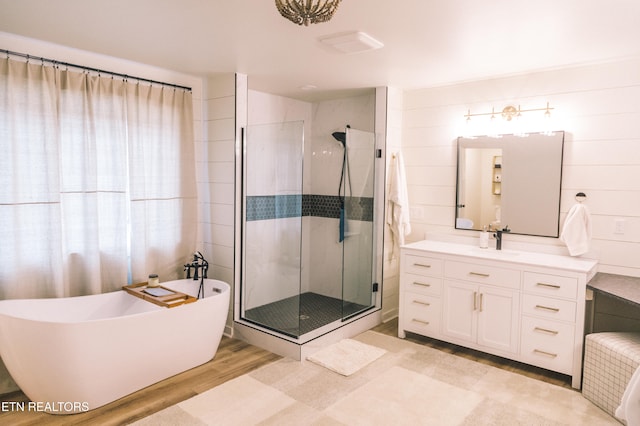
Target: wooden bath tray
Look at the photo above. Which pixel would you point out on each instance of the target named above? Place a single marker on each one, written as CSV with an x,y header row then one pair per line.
x,y
169,301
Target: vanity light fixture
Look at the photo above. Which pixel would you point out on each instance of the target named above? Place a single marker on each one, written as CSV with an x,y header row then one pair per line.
x,y
509,112
305,12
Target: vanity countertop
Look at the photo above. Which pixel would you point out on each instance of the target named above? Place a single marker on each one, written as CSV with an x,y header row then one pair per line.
x,y
576,264
620,286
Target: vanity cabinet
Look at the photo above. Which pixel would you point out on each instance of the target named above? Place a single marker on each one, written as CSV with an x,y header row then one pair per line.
x,y
549,311
422,296
481,303
528,307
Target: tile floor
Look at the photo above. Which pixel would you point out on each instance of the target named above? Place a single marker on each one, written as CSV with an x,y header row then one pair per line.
x,y
410,384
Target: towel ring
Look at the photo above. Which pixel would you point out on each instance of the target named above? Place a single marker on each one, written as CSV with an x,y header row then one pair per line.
x,y
581,196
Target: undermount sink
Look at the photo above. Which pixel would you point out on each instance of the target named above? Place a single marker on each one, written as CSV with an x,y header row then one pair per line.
x,y
493,253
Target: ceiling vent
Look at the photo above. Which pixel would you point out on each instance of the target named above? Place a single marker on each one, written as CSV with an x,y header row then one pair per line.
x,y
354,42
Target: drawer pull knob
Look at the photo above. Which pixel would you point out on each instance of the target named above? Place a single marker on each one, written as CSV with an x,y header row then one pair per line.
x,y
422,265
548,285
546,308
546,330
420,321
478,274
549,354
421,284
422,303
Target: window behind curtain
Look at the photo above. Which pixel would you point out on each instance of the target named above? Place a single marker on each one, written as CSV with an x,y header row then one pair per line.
x,y
97,181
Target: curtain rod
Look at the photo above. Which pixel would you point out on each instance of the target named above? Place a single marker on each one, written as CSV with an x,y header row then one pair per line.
x,y
96,70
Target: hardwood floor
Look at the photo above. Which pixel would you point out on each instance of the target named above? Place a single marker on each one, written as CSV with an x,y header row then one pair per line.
x,y
233,359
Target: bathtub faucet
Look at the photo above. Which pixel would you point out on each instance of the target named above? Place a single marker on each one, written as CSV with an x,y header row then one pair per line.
x,y
200,268
199,265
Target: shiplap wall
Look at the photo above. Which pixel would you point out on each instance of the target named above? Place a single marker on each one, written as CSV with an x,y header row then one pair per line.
x,y
215,166
598,106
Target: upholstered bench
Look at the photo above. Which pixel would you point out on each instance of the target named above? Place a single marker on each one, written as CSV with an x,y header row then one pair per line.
x,y
610,359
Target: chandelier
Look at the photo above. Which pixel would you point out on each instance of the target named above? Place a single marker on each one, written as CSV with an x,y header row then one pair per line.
x,y
307,11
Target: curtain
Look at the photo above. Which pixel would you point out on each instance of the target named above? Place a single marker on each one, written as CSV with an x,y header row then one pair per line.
x,y
162,180
97,181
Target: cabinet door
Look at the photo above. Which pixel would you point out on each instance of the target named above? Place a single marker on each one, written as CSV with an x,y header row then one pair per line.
x,y
459,310
498,314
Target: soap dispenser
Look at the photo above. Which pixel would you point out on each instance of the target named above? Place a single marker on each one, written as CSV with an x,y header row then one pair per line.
x,y
484,238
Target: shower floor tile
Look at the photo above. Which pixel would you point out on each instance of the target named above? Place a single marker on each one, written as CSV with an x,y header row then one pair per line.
x,y
301,314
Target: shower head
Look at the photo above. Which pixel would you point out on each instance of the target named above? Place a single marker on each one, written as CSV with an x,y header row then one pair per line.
x,y
340,137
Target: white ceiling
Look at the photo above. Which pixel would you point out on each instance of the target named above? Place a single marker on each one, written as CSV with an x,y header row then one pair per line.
x,y
427,42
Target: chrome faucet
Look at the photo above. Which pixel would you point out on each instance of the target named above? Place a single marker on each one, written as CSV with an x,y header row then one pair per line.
x,y
498,236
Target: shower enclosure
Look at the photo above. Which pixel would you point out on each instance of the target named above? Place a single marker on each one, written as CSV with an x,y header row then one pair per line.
x,y
309,240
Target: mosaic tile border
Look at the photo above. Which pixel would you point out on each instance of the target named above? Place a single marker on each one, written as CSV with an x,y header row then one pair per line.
x,y
266,207
263,207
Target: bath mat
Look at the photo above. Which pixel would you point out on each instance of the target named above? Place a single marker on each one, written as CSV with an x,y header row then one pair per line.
x,y
347,356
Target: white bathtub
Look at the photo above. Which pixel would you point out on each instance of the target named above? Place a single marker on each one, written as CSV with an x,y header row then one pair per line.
x,y
78,353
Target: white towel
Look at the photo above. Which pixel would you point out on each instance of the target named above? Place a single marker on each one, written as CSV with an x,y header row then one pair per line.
x,y
576,232
398,211
629,409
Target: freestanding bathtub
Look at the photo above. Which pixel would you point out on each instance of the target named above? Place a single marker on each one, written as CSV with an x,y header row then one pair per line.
x,y
76,354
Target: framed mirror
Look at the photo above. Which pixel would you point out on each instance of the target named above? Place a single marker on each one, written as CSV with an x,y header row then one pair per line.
x,y
512,181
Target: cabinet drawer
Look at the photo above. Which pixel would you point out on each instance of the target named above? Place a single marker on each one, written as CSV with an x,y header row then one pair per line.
x,y
547,344
551,285
422,313
502,277
421,284
546,307
422,265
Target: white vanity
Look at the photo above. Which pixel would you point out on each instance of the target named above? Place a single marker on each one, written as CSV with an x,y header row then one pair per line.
x,y
524,306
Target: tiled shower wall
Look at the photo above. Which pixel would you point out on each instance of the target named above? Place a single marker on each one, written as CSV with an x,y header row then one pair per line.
x,y
328,117
324,262
267,207
322,254
262,109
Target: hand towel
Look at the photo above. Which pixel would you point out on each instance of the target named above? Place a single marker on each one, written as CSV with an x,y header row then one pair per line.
x,y
398,217
576,231
629,409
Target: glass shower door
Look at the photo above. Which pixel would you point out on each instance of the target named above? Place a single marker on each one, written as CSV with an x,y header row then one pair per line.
x,y
272,226
358,244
